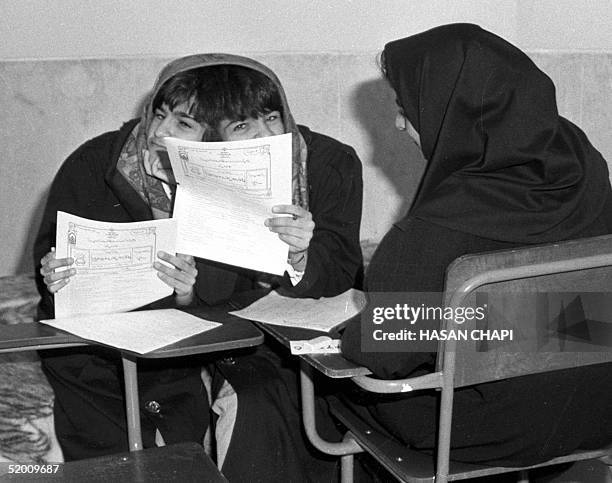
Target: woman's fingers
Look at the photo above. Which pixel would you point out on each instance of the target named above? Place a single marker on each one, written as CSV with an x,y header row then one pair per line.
x,y
295,230
55,263
180,274
56,279
54,287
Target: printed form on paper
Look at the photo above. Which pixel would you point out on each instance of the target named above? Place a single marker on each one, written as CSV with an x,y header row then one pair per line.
x,y
113,262
225,192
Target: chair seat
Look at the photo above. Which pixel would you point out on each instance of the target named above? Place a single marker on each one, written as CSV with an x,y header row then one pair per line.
x,y
412,466
184,462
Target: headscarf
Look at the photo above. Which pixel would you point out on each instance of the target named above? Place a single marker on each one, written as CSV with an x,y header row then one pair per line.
x,y
502,163
131,159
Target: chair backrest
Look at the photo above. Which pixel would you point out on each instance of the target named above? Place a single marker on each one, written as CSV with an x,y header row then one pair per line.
x,y
550,299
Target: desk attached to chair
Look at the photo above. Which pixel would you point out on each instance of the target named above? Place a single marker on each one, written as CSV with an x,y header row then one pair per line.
x,y
331,365
234,333
572,270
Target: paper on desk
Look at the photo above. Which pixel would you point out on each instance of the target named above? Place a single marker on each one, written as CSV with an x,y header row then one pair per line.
x,y
322,314
114,264
225,193
141,331
318,345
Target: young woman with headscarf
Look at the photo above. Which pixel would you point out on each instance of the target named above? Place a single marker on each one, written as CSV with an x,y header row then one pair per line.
x,y
123,176
504,170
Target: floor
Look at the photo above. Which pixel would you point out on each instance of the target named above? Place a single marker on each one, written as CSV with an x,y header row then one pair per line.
x,y
582,472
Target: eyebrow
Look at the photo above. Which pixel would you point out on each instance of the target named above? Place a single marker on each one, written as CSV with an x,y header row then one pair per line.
x,y
229,121
184,115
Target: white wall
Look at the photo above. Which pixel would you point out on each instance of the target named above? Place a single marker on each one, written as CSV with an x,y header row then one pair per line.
x,y
45,29
564,24
39,29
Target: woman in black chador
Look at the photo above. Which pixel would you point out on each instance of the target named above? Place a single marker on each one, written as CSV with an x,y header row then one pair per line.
x,y
504,170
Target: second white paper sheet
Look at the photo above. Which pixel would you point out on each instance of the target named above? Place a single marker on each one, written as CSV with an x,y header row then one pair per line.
x,y
226,191
114,264
322,314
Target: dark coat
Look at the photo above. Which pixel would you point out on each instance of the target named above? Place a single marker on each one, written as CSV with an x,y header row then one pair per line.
x,y
518,421
89,410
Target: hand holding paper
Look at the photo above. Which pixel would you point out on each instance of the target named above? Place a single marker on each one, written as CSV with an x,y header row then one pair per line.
x,y
296,230
113,264
54,271
180,274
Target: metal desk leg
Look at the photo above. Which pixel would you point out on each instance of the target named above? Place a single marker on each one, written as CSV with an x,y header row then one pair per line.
x,y
131,403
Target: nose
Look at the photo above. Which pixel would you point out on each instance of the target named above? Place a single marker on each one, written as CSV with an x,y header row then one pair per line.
x,y
262,129
400,122
165,128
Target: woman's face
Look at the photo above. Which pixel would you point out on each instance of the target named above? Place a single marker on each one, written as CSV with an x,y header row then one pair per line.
x,y
166,122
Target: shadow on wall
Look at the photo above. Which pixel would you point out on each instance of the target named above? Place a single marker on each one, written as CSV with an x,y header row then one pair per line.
x,y
393,153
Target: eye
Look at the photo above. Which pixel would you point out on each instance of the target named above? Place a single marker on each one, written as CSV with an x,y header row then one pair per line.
x,y
159,114
240,126
187,123
273,116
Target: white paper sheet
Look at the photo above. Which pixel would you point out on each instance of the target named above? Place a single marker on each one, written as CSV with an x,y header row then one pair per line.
x,y
141,331
318,345
114,264
322,314
225,193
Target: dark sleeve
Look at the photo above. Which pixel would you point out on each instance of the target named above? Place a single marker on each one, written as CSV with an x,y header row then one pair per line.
x,y
384,365
78,188
63,196
411,259
217,283
336,193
